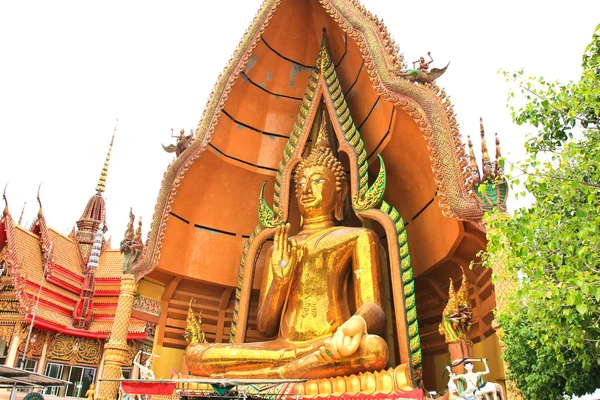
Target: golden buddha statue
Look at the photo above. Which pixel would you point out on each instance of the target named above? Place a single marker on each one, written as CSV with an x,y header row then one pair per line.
x,y
312,282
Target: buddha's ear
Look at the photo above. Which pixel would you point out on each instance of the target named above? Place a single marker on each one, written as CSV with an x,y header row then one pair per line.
x,y
338,213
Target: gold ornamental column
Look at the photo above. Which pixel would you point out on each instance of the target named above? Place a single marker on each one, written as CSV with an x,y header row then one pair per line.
x,y
116,350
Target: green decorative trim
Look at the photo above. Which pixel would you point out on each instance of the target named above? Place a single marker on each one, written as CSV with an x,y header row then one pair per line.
x,y
266,216
408,289
374,194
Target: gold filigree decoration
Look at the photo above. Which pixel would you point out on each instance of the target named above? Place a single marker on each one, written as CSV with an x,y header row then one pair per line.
x,y
6,332
74,350
36,342
9,306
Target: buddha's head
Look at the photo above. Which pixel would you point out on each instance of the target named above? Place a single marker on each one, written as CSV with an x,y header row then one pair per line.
x,y
321,185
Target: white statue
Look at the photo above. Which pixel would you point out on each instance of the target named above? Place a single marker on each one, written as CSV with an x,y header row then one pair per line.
x,y
145,371
471,385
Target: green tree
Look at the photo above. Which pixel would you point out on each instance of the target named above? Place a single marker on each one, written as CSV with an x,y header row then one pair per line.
x,y
551,322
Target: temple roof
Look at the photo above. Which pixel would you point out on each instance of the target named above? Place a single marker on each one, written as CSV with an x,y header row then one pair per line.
x,y
61,288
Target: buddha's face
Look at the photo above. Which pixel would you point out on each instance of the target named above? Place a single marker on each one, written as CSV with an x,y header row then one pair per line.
x,y
316,192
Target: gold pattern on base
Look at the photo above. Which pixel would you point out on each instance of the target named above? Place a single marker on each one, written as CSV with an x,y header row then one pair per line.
x,y
384,382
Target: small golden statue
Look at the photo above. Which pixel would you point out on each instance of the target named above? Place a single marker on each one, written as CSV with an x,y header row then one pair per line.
x,y
91,392
309,279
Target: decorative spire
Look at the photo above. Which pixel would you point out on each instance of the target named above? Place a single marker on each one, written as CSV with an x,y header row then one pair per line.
x,y
131,245
472,159
193,330
22,212
101,186
498,154
129,230
96,249
5,212
138,232
498,167
322,140
323,55
485,157
462,296
452,305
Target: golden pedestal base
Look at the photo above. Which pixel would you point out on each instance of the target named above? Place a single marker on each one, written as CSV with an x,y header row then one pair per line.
x,y
388,381
380,382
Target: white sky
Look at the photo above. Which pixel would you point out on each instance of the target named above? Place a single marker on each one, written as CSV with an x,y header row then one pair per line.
x,y
69,69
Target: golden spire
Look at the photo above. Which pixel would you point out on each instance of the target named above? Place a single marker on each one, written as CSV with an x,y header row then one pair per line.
x,y
484,151
101,186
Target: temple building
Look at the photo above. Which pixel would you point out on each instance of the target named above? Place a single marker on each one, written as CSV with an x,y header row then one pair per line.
x,y
303,67
68,285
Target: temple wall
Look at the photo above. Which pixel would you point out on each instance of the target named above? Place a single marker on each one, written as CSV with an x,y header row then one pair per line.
x,y
150,289
170,360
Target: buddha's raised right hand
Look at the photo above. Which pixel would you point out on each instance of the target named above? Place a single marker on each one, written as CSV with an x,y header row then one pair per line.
x,y
285,254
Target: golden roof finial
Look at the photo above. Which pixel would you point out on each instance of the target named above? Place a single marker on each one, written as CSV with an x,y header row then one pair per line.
x,y
485,157
101,186
138,232
5,212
